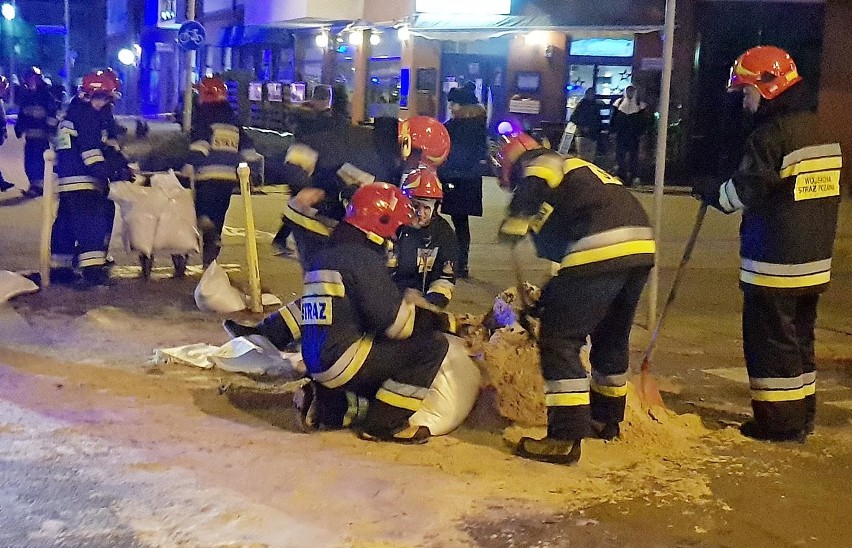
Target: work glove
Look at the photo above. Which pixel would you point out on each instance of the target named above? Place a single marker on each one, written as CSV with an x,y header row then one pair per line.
x,y
706,190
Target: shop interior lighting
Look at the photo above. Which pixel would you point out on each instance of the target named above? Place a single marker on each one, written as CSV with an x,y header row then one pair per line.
x,y
321,40
375,39
9,11
356,38
126,56
535,38
403,33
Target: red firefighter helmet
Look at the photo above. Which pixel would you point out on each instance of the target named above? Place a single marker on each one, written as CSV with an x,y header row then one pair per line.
x,y
426,134
771,70
422,182
380,209
4,87
514,146
212,89
102,83
34,78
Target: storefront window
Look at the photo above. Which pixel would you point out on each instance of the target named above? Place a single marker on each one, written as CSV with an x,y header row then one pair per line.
x,y
383,86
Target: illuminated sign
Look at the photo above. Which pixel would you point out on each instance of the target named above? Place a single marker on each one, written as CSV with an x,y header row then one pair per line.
x,y
602,47
478,7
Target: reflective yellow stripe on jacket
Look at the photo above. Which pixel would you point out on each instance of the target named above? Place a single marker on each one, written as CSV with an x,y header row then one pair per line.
x,y
785,276
611,244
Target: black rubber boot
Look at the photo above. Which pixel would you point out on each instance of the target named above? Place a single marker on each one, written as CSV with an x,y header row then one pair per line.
x,y
62,276
752,429
550,450
147,264
606,430
179,262
95,276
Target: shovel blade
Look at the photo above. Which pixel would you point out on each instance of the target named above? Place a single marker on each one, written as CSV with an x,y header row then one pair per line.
x,y
647,388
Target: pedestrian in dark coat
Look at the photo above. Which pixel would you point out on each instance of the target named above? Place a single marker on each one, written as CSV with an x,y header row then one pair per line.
x,y
630,120
462,173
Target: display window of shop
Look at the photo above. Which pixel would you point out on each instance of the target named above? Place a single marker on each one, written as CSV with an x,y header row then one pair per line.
x,y
383,85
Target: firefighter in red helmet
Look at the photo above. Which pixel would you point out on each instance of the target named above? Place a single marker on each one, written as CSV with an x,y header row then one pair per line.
x,y
424,140
582,218
217,141
424,256
787,187
84,219
37,123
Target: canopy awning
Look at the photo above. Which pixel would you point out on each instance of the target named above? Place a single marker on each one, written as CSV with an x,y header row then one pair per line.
x,y
247,35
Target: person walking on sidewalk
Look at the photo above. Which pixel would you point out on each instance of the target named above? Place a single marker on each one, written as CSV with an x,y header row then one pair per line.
x,y
461,175
582,218
629,121
788,189
587,117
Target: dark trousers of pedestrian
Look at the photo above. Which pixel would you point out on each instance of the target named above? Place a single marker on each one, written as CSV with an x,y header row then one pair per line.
x,y
34,161
573,307
461,225
388,388
627,157
212,199
778,342
77,239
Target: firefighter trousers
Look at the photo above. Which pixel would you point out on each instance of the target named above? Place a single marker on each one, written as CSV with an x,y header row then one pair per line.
x,y
34,161
82,220
212,199
573,307
388,388
778,342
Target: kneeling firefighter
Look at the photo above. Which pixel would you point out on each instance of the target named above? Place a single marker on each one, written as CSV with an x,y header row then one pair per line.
x,y
424,256
217,140
584,219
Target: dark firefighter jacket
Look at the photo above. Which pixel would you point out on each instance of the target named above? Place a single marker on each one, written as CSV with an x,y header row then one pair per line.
x,y
217,140
37,114
80,161
350,303
337,142
424,259
580,216
788,187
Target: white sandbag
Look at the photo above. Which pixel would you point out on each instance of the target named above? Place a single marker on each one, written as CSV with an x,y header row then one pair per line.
x,y
140,209
214,293
177,229
195,355
255,355
12,285
453,392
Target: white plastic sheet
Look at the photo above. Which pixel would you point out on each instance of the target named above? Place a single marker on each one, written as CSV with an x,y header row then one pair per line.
x,y
12,285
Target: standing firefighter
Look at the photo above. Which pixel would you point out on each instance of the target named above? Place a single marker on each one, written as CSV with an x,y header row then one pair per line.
x,y
425,254
85,214
788,188
584,219
215,155
36,123
4,132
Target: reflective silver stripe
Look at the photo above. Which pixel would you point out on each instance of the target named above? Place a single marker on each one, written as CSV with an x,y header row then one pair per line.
x,y
91,258
61,261
809,378
609,380
772,269
728,197
406,390
346,366
329,276
403,325
790,383
610,237
66,124
200,146
566,386
816,151
444,287
295,310
228,173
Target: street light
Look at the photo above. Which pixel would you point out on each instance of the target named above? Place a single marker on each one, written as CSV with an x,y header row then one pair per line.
x,y
127,56
9,11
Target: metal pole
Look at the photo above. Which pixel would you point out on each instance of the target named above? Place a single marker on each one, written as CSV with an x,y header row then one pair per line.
x,y
69,82
190,65
660,168
48,214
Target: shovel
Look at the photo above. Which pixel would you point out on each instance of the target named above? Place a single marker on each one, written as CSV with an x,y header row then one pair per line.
x,y
647,388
